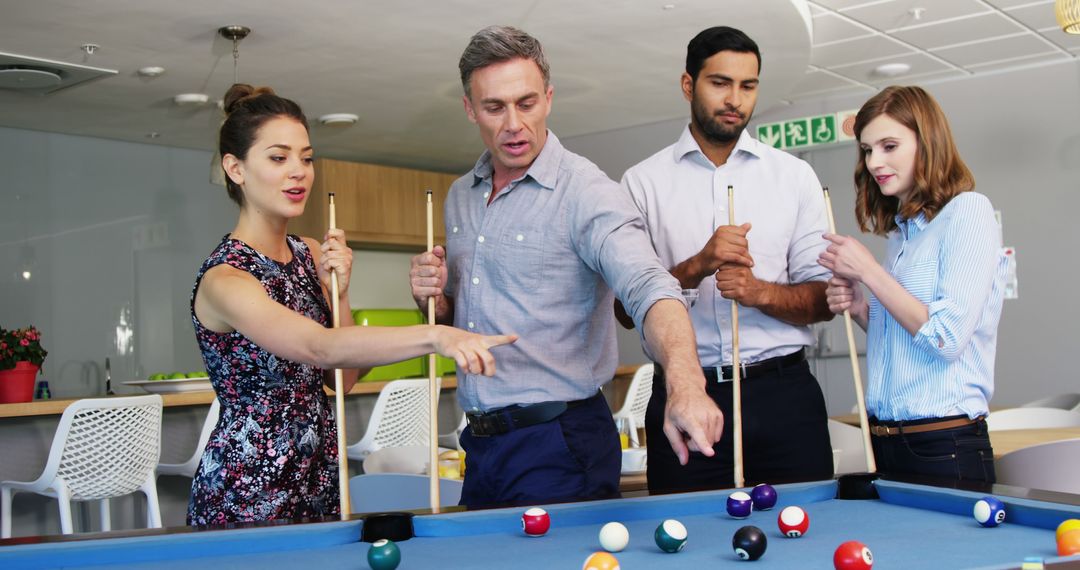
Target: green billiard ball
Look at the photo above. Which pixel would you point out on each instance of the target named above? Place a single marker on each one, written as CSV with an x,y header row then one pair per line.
x,y
670,536
383,555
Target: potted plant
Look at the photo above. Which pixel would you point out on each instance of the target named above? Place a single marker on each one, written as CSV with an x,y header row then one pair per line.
x,y
21,356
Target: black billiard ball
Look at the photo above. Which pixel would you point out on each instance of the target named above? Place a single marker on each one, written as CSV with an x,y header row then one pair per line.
x,y
749,543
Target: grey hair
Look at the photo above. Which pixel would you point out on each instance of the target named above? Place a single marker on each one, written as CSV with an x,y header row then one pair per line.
x,y
496,44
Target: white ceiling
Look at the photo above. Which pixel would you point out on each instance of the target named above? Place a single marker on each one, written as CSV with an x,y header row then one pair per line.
x,y
615,63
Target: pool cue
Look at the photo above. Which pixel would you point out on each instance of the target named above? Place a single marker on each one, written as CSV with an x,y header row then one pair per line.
x,y
864,425
736,376
339,390
433,386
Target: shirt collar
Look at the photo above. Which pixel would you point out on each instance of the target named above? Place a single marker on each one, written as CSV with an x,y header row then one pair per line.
x,y
544,170
687,145
911,226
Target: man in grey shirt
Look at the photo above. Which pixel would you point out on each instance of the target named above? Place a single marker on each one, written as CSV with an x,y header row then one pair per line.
x,y
537,240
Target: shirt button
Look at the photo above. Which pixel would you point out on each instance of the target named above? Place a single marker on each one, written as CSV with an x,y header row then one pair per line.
x,y
486,194
472,325
475,280
520,237
454,230
480,239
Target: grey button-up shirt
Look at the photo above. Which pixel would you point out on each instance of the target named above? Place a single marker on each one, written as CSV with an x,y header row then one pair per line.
x,y
541,261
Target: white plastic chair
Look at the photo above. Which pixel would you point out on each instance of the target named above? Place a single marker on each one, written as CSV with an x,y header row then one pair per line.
x,y
1049,466
847,444
631,415
1061,402
1031,418
103,448
400,418
382,492
453,439
188,468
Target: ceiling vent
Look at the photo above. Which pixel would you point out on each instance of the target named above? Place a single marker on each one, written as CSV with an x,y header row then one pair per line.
x,y
34,75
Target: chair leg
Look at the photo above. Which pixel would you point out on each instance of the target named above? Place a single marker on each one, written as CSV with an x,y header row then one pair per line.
x,y
5,511
632,427
106,516
153,510
63,500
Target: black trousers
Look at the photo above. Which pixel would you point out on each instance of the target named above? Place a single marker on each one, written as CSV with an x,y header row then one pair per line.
x,y
785,434
962,454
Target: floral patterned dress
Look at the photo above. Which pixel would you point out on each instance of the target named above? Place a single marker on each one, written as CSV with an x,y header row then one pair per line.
x,y
273,453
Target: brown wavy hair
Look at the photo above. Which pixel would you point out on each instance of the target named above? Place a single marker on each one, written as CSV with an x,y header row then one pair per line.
x,y
940,173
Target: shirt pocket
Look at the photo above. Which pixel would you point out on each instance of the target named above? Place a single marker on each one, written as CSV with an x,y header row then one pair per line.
x,y
459,255
520,259
920,279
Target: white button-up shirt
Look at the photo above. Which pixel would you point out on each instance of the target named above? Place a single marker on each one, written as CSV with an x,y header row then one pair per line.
x,y
683,198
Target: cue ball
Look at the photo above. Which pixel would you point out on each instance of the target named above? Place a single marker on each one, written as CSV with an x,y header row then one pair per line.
x,y
764,497
614,537
383,555
749,543
535,522
670,536
739,505
989,511
793,522
853,555
600,561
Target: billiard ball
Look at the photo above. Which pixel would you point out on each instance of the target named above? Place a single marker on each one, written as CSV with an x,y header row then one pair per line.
x,y
793,522
852,555
764,497
749,543
600,561
535,522
1066,526
670,536
383,555
614,537
739,505
989,511
1069,543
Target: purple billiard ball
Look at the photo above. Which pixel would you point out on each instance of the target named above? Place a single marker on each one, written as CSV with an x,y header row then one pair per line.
x,y
764,497
739,505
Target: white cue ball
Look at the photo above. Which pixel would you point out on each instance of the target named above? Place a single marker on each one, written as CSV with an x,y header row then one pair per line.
x,y
614,537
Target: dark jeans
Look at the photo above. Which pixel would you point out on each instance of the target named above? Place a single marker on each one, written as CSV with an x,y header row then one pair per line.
x,y
785,434
573,457
962,453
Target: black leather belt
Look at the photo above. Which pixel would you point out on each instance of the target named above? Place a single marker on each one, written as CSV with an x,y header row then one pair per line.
x,y
502,420
760,368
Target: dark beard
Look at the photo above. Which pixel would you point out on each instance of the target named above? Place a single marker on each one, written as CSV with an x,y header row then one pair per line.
x,y
712,129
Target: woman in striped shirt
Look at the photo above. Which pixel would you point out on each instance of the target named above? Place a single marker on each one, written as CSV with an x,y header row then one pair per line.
x,y
932,309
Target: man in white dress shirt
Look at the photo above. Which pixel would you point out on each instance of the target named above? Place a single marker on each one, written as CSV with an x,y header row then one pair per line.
x,y
767,263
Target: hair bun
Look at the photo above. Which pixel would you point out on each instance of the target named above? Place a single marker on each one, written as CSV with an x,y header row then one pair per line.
x,y
241,92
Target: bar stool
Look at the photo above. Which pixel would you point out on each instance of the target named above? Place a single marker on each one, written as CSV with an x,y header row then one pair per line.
x,y
103,448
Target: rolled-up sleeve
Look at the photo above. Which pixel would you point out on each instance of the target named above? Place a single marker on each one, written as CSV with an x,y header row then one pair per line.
x,y
807,242
969,254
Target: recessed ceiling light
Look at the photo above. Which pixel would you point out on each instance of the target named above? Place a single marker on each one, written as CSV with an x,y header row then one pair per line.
x,y
669,6
338,119
892,69
151,71
191,99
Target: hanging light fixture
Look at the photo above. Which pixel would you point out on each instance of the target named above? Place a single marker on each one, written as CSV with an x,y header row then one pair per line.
x,y
1068,15
233,34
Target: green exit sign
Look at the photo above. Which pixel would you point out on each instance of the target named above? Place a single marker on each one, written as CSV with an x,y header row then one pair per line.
x,y
794,134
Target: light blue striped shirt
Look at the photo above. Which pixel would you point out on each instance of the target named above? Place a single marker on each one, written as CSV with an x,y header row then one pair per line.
x,y
954,265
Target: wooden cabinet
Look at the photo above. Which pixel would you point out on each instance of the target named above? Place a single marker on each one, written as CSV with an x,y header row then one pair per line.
x,y
379,207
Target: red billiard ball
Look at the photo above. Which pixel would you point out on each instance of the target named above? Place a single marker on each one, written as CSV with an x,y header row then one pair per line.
x,y
535,522
793,522
853,555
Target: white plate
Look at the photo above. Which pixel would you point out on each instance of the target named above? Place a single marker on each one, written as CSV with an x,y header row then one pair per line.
x,y
172,386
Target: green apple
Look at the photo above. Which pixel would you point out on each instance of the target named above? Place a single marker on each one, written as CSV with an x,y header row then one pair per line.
x,y
157,376
177,376
200,374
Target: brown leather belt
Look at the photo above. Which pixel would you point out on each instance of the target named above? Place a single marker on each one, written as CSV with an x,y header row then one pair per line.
x,y
886,431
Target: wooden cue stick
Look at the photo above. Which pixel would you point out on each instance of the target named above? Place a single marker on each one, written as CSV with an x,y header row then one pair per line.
x,y
736,376
871,464
433,387
339,391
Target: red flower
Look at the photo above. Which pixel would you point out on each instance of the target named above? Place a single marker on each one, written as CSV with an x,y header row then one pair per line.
x,y
24,342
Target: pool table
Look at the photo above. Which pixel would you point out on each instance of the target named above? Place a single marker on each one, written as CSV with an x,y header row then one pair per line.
x,y
909,525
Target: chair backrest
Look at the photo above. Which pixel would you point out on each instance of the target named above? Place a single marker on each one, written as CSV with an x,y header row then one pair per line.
x,y
106,447
1049,466
637,396
400,418
847,439
381,492
1031,418
1061,402
188,467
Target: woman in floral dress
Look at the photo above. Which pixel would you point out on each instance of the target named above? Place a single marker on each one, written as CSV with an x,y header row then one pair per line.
x,y
261,311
